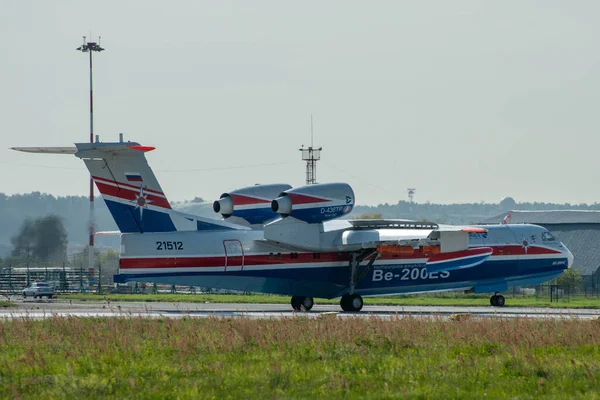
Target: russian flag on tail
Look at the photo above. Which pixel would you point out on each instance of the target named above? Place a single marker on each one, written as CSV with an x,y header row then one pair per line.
x,y
133,177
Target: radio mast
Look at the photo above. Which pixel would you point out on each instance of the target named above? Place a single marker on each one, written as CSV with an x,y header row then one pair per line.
x,y
311,156
411,194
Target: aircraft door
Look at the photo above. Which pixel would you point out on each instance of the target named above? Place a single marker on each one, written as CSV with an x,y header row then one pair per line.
x,y
234,255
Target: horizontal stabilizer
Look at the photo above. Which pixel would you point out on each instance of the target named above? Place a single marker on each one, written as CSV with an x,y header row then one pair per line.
x,y
47,150
458,259
108,233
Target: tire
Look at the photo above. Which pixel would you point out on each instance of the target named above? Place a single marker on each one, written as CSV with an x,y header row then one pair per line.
x,y
352,303
344,302
296,303
24,295
493,301
308,303
356,302
500,301
50,296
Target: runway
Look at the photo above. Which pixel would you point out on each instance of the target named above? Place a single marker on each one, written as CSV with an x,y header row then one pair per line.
x,y
37,309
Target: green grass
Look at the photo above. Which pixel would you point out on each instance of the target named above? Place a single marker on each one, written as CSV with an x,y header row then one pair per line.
x,y
415,300
299,358
6,304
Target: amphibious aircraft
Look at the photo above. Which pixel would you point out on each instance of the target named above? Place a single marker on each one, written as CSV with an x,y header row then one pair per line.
x,y
293,241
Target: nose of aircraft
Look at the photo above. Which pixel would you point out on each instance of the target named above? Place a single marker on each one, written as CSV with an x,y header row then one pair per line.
x,y
570,257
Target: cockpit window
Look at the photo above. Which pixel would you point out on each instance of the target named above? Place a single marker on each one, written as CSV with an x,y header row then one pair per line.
x,y
548,237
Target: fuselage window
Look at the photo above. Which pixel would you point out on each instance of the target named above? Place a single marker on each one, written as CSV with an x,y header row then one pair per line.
x,y
548,237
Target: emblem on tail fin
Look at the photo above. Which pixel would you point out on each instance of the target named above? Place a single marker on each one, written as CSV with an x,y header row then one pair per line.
x,y
141,201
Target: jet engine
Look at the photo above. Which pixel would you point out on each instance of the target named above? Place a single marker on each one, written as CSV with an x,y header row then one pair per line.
x,y
253,203
315,203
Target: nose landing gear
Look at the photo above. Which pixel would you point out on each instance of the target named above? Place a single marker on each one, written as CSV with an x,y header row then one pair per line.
x,y
497,300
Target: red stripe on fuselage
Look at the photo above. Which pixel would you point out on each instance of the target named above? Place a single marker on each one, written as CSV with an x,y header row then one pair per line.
x,y
127,194
300,258
520,250
182,262
477,251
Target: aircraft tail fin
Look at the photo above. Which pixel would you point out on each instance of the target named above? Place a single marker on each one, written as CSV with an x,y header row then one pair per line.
x,y
130,188
128,185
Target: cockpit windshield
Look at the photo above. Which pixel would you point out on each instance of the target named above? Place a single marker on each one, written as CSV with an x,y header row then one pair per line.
x,y
548,237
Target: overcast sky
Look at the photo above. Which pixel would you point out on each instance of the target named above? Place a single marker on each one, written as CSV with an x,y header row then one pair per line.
x,y
466,101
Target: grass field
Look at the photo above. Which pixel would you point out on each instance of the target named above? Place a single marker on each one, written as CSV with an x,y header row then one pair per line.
x,y
299,358
5,303
416,300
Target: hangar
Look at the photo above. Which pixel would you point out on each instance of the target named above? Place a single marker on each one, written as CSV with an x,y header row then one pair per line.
x,y
579,230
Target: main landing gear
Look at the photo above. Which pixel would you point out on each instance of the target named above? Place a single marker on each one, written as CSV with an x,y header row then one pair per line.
x,y
300,302
497,300
351,302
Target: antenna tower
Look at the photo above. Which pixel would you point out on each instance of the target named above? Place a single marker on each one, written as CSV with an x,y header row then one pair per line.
x,y
411,194
90,47
311,156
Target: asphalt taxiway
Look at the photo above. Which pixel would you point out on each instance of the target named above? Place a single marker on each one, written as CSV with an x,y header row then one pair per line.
x,y
58,307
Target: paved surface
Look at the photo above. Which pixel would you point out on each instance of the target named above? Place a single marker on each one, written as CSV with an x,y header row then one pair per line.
x,y
56,307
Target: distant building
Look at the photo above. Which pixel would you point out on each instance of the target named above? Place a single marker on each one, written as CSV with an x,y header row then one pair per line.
x,y
579,230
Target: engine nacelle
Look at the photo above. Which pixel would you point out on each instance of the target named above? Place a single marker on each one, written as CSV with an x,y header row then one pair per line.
x,y
252,203
315,203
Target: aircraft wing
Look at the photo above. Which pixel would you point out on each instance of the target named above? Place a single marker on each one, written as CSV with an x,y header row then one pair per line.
x,y
373,233
371,238
465,228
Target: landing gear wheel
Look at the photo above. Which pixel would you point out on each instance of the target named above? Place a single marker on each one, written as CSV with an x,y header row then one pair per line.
x,y
500,300
308,303
497,300
296,303
300,302
351,302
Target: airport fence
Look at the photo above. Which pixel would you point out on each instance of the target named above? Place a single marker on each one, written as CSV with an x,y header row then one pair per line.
x,y
63,279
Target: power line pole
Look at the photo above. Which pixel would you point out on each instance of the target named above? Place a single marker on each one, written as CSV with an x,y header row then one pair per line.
x,y
90,47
